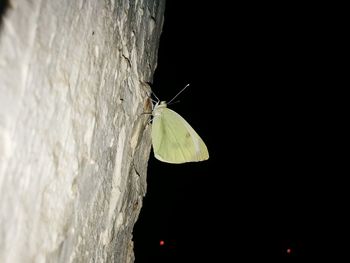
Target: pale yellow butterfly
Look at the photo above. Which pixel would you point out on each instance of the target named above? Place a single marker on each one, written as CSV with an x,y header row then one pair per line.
x,y
173,139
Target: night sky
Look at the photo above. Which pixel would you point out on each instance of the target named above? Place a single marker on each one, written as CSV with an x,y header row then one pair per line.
x,y
256,99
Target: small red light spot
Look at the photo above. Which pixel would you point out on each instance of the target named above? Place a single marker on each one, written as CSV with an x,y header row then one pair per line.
x,y
289,250
161,243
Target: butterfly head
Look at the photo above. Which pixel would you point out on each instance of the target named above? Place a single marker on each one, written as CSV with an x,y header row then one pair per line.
x,y
160,105
163,104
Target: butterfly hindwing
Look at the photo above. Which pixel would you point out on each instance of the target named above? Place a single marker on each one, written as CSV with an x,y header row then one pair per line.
x,y
174,140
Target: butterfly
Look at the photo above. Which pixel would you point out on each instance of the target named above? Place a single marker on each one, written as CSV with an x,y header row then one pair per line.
x,y
173,139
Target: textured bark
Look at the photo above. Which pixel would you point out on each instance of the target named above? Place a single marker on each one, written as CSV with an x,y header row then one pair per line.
x,y
74,144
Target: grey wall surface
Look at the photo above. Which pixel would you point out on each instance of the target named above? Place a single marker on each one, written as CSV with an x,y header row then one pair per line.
x,y
74,144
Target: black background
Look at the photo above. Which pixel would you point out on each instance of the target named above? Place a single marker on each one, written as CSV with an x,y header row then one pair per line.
x,y
257,99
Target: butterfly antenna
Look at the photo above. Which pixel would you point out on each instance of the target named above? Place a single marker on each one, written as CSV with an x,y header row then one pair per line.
x,y
173,102
178,93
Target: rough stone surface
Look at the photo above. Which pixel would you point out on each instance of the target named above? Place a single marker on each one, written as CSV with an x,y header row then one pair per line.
x,y
74,144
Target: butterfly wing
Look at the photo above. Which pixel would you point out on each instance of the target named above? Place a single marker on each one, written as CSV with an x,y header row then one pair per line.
x,y
174,140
